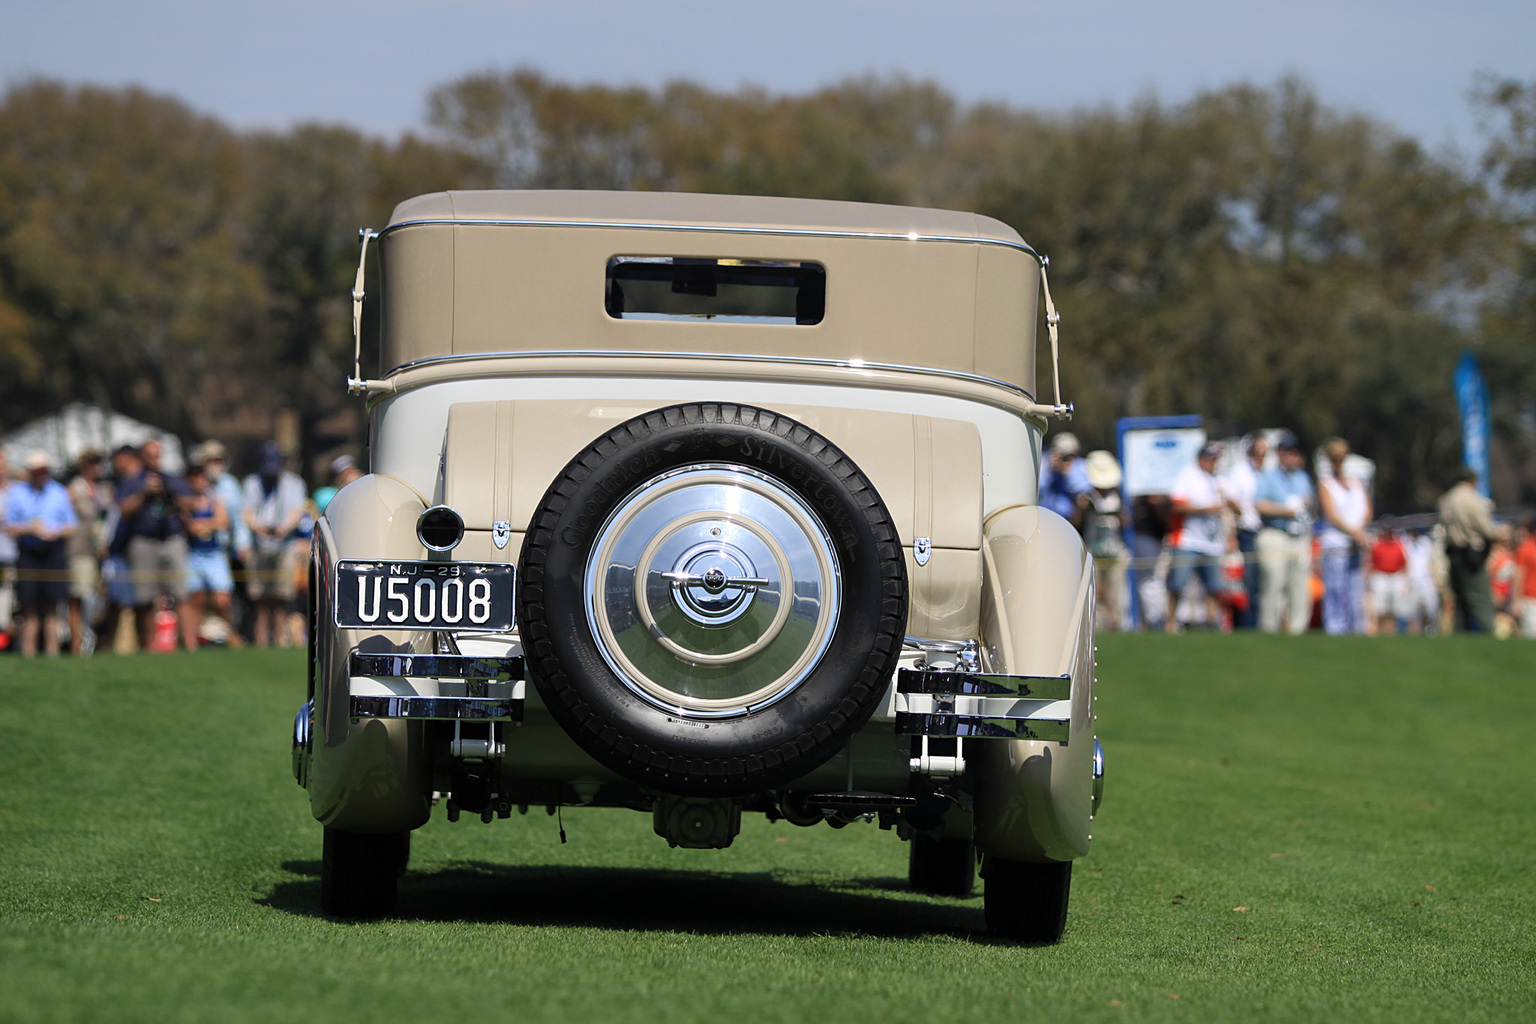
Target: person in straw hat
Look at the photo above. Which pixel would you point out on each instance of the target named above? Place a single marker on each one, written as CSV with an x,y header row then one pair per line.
x,y
1104,531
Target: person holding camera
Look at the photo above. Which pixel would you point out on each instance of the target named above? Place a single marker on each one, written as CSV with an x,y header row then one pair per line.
x,y
151,504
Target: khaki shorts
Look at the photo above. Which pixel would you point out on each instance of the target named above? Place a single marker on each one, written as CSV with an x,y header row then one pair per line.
x,y
271,575
84,575
158,566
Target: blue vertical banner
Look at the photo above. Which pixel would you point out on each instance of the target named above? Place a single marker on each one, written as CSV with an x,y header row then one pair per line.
x,y
1472,399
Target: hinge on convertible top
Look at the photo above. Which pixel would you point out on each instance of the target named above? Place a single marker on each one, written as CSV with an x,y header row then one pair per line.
x,y
1060,410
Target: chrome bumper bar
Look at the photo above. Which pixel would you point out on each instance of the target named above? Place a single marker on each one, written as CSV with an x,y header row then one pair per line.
x,y
983,705
446,666
448,709
478,674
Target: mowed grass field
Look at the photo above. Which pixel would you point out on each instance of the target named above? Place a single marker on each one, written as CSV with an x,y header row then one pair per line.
x,y
1307,829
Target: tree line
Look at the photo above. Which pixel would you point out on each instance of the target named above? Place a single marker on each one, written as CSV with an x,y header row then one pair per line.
x,y
1251,254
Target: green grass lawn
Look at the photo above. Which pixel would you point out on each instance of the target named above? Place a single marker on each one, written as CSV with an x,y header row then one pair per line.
x,y
1304,829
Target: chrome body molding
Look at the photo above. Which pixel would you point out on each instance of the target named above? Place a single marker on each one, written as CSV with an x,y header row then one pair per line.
x,y
983,684
447,666
850,365
718,229
450,709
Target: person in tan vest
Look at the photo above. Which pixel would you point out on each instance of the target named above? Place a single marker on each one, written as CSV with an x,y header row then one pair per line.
x,y
1469,532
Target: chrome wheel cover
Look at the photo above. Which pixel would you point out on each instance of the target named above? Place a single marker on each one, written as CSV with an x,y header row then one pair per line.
x,y
712,591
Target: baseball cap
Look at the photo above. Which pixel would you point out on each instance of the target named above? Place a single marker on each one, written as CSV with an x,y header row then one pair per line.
x,y
209,451
1066,443
37,459
272,458
342,463
1210,451
1287,442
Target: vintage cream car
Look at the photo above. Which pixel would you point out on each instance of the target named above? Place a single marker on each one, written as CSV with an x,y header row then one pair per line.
x,y
702,505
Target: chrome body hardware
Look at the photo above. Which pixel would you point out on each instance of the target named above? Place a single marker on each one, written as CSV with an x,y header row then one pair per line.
x,y
713,591
432,666
944,765
303,739
476,748
494,687
1098,774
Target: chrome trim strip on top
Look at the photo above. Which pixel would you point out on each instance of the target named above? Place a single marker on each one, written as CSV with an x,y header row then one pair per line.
x,y
718,229
851,365
983,684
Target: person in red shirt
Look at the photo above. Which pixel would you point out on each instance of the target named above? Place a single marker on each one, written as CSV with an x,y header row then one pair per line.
x,y
1525,578
1389,582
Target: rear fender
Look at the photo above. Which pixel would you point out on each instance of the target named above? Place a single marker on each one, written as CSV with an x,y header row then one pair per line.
x,y
1034,798
366,775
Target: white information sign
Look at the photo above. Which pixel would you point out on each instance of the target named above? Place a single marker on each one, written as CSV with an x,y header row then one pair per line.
x,y
1154,457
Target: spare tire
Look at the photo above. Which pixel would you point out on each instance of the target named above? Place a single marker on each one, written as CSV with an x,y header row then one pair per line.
x,y
711,599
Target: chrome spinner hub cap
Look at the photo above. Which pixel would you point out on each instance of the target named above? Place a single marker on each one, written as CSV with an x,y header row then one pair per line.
x,y
712,591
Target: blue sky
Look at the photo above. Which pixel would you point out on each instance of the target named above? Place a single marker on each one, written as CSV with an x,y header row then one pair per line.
x,y
370,63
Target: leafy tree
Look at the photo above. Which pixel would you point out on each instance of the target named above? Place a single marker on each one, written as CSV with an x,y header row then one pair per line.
x,y
119,266
1508,346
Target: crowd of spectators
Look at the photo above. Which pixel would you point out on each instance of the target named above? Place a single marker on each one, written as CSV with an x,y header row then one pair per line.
x,y
1262,545
136,557
141,558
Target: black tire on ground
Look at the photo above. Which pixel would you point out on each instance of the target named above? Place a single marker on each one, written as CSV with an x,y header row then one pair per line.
x,y
360,874
638,721
944,867
1027,902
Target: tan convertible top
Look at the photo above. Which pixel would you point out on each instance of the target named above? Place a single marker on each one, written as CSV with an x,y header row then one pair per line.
x,y
524,271
716,212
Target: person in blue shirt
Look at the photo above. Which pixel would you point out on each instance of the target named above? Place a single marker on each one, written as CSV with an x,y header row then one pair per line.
x,y
40,516
1287,506
1064,486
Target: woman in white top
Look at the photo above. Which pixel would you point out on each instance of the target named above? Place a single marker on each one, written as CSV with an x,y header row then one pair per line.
x,y
1346,508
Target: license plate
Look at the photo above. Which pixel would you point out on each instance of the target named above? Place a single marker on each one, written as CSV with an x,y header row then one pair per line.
x,y
424,595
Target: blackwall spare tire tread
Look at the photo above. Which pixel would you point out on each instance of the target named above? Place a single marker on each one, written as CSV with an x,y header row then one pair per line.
x,y
757,749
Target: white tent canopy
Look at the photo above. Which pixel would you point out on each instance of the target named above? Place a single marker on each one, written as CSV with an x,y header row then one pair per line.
x,y
78,428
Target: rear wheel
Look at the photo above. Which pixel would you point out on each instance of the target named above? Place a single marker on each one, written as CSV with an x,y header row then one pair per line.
x,y
1027,902
359,874
944,867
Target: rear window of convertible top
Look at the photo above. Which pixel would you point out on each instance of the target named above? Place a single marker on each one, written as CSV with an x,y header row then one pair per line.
x,y
718,290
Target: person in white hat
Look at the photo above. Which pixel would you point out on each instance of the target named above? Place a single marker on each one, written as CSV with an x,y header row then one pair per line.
x,y
1064,486
40,516
1104,531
